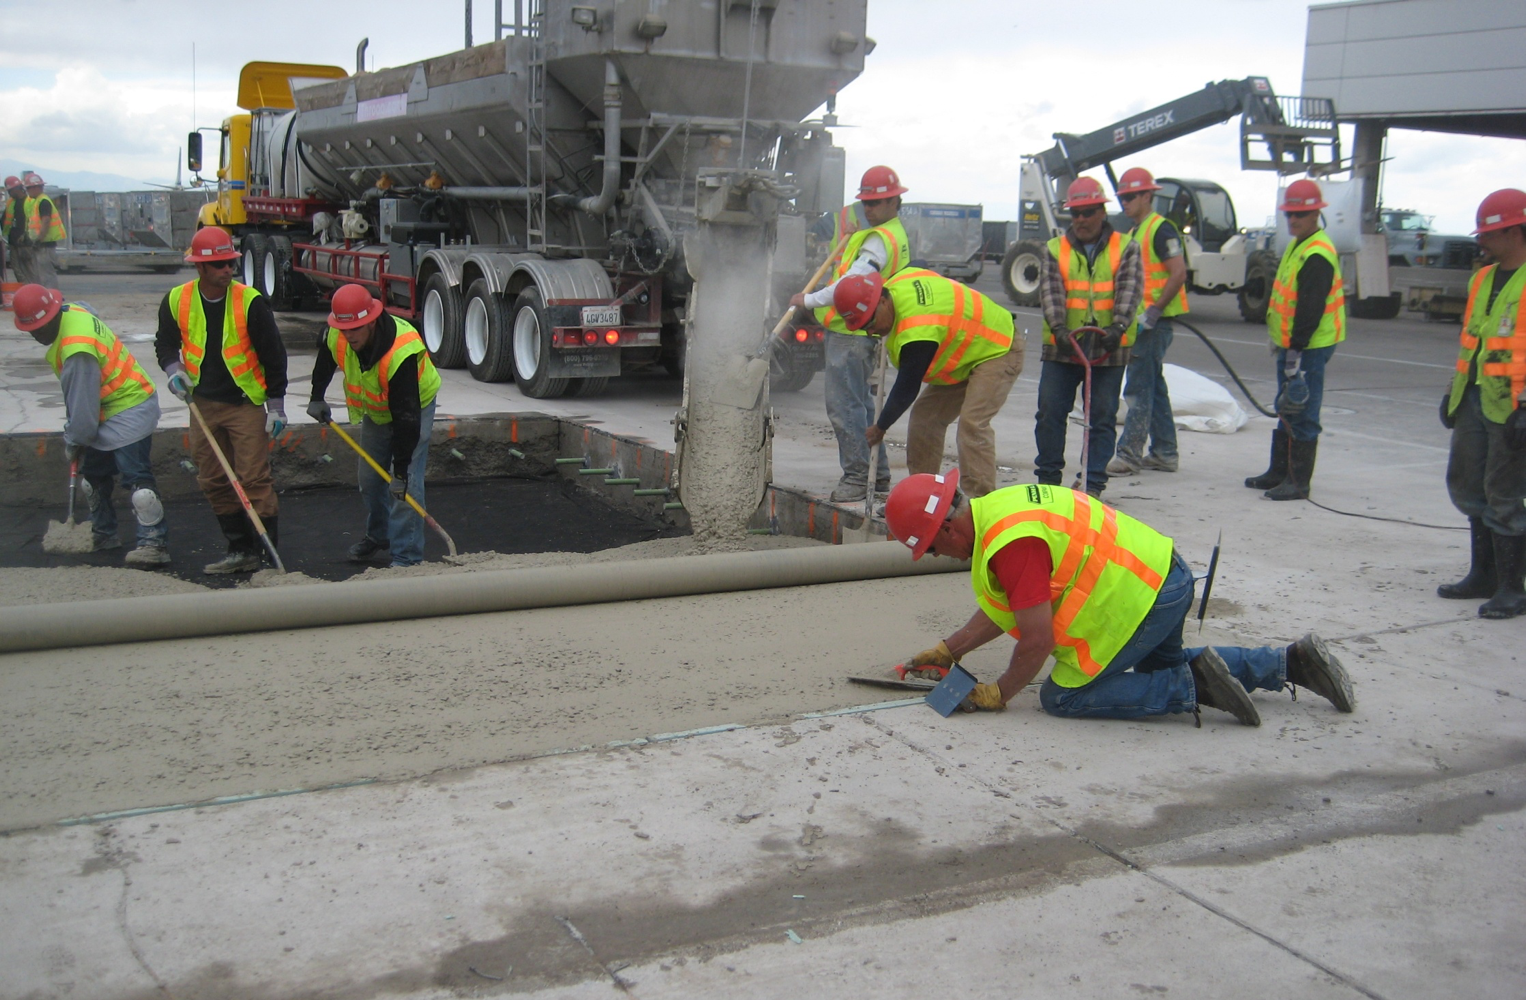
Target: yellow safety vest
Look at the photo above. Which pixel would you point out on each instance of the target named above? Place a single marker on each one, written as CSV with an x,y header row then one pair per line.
x,y
1108,570
123,383
8,217
1496,338
55,231
848,220
1156,274
238,353
968,327
1088,287
897,257
365,392
1284,299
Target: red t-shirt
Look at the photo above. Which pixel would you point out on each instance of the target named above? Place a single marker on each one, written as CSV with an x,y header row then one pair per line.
x,y
1023,569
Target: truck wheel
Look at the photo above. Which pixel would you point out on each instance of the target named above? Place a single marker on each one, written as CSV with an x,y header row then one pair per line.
x,y
278,273
586,387
532,347
441,324
1020,272
786,372
1256,293
489,355
256,245
1375,307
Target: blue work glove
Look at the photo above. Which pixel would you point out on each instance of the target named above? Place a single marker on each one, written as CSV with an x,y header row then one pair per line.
x,y
180,382
1448,419
275,418
398,487
1515,427
1150,318
321,411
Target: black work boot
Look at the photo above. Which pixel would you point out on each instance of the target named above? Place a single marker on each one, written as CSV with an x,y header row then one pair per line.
x,y
1300,473
1480,579
242,556
1277,471
367,549
1312,665
1509,564
1217,688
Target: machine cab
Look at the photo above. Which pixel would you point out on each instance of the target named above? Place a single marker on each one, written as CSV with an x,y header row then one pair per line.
x,y
1205,216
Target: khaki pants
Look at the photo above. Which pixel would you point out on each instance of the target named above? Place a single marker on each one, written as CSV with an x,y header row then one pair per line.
x,y
974,403
239,429
22,264
45,265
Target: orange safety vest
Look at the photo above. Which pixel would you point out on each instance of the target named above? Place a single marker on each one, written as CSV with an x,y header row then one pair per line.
x,y
55,231
366,393
1283,302
238,353
1501,373
1088,287
968,327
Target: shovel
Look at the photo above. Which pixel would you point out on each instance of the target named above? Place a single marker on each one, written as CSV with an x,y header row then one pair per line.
x,y
865,531
70,536
742,386
449,542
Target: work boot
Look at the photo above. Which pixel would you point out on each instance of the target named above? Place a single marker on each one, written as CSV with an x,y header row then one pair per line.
x,y
1312,665
242,556
1122,465
106,543
366,549
148,557
1277,471
1480,580
847,492
1217,688
1509,563
1300,473
1156,463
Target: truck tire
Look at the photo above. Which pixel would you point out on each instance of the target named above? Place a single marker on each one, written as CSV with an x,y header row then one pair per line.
x,y
1020,272
1256,293
278,276
530,335
1376,307
586,387
440,323
786,372
256,246
489,353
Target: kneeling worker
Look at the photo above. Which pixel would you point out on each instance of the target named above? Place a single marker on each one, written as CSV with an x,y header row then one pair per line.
x,y
390,387
111,412
1105,594
959,342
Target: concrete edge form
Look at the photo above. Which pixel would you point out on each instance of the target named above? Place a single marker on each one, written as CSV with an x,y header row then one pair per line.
x,y
178,616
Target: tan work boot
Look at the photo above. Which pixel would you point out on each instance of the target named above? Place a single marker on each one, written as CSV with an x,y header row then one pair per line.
x,y
148,557
1217,688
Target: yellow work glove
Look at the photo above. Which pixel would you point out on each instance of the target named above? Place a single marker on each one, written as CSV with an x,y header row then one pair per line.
x,y
987,698
938,656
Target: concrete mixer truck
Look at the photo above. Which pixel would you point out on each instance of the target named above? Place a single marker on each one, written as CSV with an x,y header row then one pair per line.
x,y
525,201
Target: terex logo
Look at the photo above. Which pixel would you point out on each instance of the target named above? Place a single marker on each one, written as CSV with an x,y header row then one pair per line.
x,y
1118,136
1147,125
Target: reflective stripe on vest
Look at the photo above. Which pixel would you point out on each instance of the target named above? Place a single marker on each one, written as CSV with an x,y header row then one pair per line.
x,y
1088,286
1108,569
845,222
1495,338
1283,302
55,230
366,392
238,353
1156,273
897,256
968,327
123,382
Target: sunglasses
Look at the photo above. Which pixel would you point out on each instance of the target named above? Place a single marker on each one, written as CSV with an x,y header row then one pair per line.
x,y
1126,198
876,201
1087,213
218,264
1299,215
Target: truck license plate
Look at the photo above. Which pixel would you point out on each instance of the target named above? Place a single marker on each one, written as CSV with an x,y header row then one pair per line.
x,y
601,315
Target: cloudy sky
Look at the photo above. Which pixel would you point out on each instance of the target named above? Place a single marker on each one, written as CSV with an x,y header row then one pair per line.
x,y
954,94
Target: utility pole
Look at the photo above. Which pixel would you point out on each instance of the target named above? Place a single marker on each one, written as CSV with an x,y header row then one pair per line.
x,y
468,23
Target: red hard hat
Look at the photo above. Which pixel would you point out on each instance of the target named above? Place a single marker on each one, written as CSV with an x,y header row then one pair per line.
x,y
879,182
917,506
211,244
352,306
1085,191
1501,210
1302,196
856,297
1136,179
35,306
32,179
13,181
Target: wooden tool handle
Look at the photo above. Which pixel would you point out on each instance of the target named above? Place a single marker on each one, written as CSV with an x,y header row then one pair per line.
x,y
810,286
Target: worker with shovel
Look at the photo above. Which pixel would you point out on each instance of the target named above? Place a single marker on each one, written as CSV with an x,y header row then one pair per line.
x,y
111,411
960,343
1105,594
218,339
390,387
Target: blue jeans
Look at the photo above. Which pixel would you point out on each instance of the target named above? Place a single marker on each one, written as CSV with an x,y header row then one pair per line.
x,y
1305,426
1264,668
1058,382
388,520
1149,402
850,404
134,464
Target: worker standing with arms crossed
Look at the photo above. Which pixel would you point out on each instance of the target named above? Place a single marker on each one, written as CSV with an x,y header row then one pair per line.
x,y
1165,275
1105,594
110,410
1090,276
957,341
390,387
1486,411
44,230
218,338
1306,319
881,249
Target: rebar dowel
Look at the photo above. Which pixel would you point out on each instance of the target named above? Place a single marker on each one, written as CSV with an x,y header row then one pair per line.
x,y
456,453
595,472
650,493
621,482
675,505
517,454
571,461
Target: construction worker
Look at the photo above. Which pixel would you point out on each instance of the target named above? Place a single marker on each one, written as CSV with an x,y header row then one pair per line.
x,y
1486,411
954,339
110,411
1306,319
13,229
1165,295
390,387
1089,277
1102,593
44,230
880,248
218,339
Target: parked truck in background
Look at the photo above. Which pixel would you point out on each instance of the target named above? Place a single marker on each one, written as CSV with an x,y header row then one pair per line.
x,y
525,201
945,238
